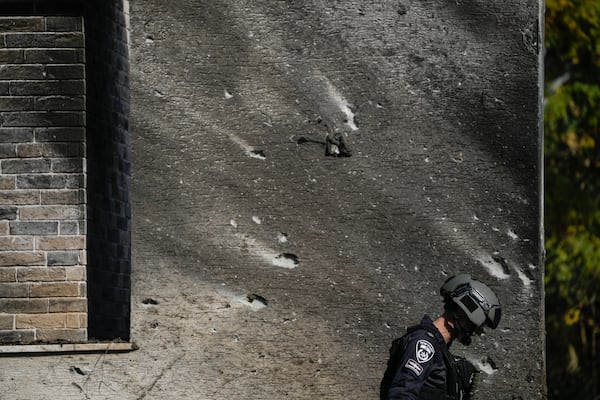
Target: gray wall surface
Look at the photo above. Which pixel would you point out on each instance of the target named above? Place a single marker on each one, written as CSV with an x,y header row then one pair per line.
x,y
439,105
263,268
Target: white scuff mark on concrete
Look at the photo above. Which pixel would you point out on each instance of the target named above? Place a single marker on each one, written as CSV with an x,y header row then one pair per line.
x,y
256,220
283,262
524,278
266,254
512,234
282,237
342,104
461,240
254,305
227,94
350,115
494,268
483,366
248,150
257,155
458,158
240,299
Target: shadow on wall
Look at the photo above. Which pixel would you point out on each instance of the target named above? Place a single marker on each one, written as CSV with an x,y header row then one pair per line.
x,y
426,191
108,171
466,111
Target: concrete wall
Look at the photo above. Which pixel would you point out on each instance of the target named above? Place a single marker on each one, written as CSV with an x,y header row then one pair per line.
x,y
263,265
234,193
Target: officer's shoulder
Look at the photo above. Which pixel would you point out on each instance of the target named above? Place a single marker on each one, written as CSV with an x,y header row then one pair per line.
x,y
421,333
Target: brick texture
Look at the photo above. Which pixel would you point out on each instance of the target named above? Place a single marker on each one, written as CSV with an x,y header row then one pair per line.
x,y
42,192
108,212
53,320
7,322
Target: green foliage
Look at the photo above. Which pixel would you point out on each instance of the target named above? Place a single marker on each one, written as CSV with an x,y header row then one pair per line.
x,y
572,196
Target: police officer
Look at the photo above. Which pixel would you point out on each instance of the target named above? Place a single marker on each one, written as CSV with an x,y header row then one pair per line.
x,y
420,366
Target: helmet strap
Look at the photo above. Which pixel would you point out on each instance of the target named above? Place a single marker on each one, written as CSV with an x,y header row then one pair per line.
x,y
463,333
464,336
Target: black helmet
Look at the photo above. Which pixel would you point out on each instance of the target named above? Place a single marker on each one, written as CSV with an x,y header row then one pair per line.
x,y
479,303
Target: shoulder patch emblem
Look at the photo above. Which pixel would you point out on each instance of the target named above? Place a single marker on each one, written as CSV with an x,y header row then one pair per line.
x,y
425,351
414,367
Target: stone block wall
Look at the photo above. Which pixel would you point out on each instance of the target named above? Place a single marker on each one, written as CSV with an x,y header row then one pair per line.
x,y
42,181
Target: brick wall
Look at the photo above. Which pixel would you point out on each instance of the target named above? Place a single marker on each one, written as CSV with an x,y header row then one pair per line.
x,y
42,184
108,170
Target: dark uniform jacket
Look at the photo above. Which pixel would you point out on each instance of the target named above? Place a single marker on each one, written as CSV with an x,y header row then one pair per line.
x,y
419,372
